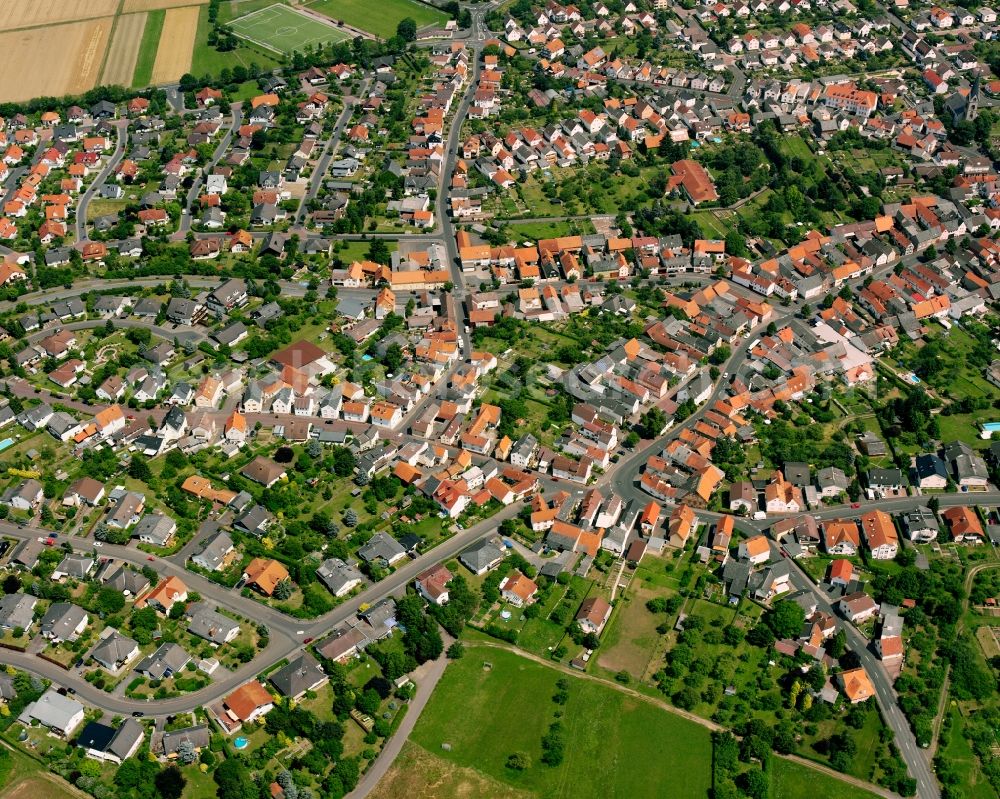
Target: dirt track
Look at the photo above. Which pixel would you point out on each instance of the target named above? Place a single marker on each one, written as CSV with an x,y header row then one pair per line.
x,y
153,5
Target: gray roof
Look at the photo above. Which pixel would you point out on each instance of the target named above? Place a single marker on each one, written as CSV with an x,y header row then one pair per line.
x,y
298,675
209,624
156,527
832,476
128,736
253,520
169,657
26,553
16,611
480,556
884,477
196,736
114,649
381,546
337,575
62,619
127,579
53,710
214,552
381,616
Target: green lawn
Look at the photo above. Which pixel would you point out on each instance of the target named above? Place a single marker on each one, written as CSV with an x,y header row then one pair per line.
x,y
791,781
380,18
285,30
964,760
350,251
485,714
147,49
26,777
547,230
208,60
710,225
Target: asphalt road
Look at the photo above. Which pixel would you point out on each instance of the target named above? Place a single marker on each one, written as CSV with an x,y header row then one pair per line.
x,y
329,148
187,214
80,223
286,632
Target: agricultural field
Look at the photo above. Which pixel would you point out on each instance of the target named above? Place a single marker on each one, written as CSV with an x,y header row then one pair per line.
x,y
285,30
154,5
29,70
124,50
379,18
35,13
173,56
148,46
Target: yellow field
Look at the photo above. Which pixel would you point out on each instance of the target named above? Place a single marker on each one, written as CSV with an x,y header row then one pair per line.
x,y
124,50
153,5
29,13
53,61
173,56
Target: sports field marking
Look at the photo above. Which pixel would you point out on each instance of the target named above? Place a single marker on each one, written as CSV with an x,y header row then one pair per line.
x,y
173,56
284,30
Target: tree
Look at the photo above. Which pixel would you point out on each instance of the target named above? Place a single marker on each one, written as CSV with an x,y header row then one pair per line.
x,y
754,783
519,761
837,645
393,358
378,251
351,518
455,651
109,601
786,620
283,589
407,29
234,780
170,783
138,469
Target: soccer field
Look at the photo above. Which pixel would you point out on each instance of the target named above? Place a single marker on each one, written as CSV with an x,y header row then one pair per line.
x,y
284,29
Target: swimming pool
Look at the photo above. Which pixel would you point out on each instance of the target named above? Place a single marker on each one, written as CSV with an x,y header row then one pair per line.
x,y
241,742
6,443
991,427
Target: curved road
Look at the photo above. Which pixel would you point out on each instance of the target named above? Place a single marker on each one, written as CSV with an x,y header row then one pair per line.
x,y
80,223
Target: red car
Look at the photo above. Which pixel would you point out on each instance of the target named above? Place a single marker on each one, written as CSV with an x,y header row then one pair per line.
x,y
150,558
307,640
855,505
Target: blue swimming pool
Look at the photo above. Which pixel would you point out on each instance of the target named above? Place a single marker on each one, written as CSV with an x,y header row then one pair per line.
x,y
240,743
6,443
991,427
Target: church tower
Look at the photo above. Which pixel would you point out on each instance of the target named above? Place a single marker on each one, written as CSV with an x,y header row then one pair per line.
x,y
972,102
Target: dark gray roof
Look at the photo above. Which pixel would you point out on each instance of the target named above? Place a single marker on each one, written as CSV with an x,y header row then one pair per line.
x,y
169,657
298,675
114,649
198,737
